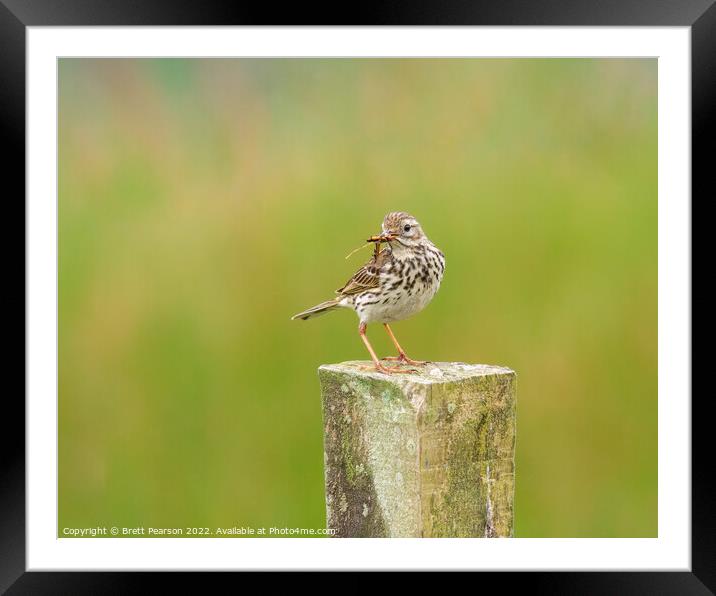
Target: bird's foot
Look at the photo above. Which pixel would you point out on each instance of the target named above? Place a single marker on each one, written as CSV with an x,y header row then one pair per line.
x,y
388,370
406,360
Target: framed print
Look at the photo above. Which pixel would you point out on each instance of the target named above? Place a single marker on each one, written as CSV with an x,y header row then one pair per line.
x,y
502,380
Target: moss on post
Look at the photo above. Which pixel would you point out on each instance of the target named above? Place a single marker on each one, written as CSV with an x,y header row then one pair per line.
x,y
428,454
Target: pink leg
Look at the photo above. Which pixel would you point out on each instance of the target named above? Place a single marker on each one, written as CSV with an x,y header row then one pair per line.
x,y
401,353
378,366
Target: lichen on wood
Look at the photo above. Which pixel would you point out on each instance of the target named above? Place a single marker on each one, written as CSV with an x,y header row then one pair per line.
x,y
428,454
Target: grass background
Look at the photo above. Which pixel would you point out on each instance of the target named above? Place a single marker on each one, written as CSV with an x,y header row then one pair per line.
x,y
203,202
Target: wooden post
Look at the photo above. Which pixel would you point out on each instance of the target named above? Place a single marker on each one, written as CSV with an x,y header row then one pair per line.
x,y
428,454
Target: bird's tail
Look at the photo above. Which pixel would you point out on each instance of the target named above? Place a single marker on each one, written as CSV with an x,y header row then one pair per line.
x,y
318,310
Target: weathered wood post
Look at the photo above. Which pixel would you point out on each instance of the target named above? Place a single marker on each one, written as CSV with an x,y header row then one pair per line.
x,y
428,454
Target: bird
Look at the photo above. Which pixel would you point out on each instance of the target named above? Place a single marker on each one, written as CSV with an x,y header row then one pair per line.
x,y
398,282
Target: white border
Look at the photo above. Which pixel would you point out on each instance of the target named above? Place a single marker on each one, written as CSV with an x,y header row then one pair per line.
x,y
671,550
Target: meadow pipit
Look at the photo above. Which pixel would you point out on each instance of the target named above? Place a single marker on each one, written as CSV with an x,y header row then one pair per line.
x,y
396,283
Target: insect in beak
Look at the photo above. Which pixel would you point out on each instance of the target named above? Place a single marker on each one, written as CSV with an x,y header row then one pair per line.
x,y
384,237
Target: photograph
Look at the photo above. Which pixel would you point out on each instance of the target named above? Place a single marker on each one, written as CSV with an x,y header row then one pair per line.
x,y
481,235
412,295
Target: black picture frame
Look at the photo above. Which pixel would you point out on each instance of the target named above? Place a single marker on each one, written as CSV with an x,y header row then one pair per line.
x,y
17,15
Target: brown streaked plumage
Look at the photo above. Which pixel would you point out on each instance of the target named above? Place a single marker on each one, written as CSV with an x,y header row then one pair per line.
x,y
366,278
398,282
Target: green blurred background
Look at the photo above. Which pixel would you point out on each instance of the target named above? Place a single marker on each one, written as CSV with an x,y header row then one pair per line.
x,y
204,202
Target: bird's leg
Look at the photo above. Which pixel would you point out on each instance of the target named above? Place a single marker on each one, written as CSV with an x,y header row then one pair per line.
x,y
376,363
401,357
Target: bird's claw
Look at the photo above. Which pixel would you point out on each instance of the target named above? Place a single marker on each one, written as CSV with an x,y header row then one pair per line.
x,y
389,370
406,360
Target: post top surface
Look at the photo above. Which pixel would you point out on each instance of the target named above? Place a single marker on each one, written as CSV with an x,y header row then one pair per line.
x,y
431,373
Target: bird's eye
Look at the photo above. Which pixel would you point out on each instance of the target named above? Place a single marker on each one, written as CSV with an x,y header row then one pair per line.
x,y
406,228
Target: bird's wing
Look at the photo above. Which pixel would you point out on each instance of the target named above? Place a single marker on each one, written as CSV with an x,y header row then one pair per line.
x,y
367,277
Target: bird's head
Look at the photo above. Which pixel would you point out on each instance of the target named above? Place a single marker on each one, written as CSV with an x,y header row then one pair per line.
x,y
402,229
